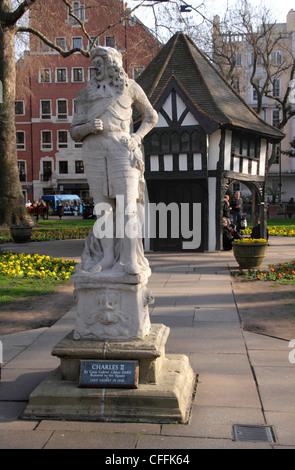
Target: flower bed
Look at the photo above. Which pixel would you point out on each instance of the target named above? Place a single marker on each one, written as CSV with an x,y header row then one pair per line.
x,y
35,266
48,235
275,273
274,231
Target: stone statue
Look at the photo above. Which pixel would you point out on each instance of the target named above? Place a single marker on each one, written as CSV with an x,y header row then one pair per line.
x,y
113,162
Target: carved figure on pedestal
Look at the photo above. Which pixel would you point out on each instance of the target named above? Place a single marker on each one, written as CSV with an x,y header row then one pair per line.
x,y
113,160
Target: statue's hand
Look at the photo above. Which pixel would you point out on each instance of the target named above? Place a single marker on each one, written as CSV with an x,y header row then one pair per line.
x,y
135,142
97,125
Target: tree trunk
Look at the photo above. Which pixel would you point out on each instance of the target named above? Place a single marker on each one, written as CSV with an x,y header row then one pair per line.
x,y
12,204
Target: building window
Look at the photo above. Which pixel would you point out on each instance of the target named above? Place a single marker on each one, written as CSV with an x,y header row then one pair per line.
x,y
78,144
20,140
277,87
91,73
61,42
62,109
62,139
45,75
275,117
77,74
79,166
244,146
47,171
61,75
236,84
22,170
79,11
94,41
45,109
46,140
239,58
136,71
77,43
110,41
63,168
276,58
254,94
19,108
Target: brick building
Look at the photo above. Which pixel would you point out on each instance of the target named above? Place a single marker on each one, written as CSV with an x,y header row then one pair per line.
x,y
47,85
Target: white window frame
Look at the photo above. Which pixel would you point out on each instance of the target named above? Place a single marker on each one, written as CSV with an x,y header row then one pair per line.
x,y
24,111
24,163
272,116
239,59
96,43
50,145
276,87
72,75
110,36
80,10
89,72
41,113
276,58
40,75
62,145
18,146
62,116
56,74
77,37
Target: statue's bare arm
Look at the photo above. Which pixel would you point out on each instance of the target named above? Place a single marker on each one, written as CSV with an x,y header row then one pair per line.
x,y
142,104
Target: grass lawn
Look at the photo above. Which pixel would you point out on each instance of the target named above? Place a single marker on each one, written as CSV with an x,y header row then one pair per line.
x,y
12,288
53,224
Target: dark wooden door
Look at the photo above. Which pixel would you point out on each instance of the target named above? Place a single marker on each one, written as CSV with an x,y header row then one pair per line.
x,y
178,222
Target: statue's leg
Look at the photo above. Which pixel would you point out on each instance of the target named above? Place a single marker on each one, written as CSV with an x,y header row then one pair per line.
x,y
105,210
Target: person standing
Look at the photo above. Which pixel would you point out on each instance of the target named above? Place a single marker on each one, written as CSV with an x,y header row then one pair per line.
x,y
237,208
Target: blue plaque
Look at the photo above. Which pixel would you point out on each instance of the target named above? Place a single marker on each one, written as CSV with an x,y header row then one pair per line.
x,y
108,374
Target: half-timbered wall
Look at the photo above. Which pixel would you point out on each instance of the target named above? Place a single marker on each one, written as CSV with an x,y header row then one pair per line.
x,y
244,154
176,163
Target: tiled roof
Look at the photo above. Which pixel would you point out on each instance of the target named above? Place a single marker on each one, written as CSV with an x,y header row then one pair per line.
x,y
203,84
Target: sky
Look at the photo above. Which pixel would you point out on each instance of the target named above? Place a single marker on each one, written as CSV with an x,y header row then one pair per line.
x,y
280,8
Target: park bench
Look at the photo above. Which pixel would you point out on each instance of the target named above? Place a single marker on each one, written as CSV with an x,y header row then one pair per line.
x,y
38,211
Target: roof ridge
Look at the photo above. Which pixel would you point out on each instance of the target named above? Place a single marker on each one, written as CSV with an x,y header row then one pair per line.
x,y
163,67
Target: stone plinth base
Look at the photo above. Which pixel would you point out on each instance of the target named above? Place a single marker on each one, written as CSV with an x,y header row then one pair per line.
x,y
164,394
112,306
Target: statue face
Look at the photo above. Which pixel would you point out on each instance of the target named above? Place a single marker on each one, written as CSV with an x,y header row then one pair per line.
x,y
99,68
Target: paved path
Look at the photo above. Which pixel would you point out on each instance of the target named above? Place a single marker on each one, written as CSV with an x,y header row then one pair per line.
x,y
243,378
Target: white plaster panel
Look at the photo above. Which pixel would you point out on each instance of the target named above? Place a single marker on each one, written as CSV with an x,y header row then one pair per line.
x,y
182,162
245,166
213,154
197,161
227,150
154,163
262,157
237,164
212,214
168,163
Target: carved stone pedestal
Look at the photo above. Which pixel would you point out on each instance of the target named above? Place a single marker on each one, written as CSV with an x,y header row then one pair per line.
x,y
164,394
112,305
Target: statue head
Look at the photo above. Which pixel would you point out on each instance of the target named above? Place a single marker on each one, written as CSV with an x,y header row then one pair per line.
x,y
113,64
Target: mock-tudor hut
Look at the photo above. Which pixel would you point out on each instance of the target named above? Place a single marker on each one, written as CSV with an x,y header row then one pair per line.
x,y
206,138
